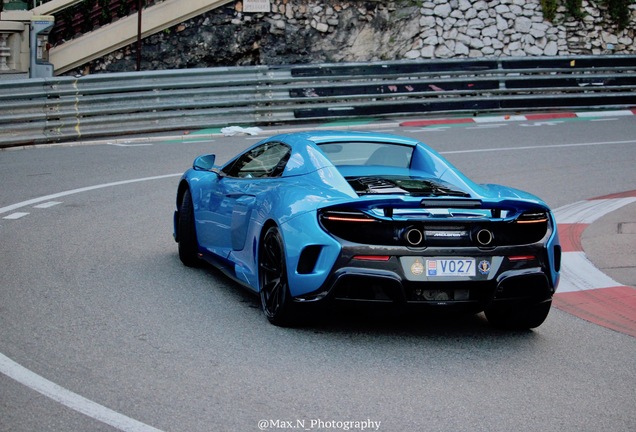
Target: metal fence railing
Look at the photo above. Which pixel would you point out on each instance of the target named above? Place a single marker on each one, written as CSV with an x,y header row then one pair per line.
x,y
67,108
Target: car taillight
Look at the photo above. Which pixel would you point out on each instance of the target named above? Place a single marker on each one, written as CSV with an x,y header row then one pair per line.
x,y
532,218
344,216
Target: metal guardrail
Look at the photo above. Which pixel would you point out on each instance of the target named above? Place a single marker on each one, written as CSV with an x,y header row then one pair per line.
x,y
67,109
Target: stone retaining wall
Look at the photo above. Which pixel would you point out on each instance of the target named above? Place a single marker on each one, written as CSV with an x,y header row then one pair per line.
x,y
307,31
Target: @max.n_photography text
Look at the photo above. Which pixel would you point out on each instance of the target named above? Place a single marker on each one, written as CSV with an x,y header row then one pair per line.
x,y
319,424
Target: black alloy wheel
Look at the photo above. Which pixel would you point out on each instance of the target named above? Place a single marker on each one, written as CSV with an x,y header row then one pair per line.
x,y
276,300
188,244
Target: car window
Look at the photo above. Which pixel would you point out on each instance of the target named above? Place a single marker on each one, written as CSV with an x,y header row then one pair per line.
x,y
267,160
368,153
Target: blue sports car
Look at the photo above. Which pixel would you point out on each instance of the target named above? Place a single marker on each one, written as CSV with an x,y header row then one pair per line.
x,y
314,217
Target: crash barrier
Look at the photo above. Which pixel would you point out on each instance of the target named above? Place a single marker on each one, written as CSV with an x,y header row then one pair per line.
x,y
48,110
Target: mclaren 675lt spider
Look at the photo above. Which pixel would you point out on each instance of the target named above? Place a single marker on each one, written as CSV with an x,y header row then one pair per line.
x,y
316,217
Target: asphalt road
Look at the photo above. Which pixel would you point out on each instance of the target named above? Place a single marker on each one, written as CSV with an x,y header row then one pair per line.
x,y
94,299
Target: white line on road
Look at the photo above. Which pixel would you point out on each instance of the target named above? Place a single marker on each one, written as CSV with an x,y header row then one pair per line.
x,y
538,147
16,215
131,145
586,212
488,126
72,400
579,274
604,113
80,190
40,384
432,128
495,119
47,205
541,123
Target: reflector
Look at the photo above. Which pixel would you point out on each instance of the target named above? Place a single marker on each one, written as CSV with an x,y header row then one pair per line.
x,y
372,257
521,258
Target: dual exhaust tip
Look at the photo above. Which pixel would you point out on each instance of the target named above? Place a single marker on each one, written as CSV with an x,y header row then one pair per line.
x,y
484,237
415,237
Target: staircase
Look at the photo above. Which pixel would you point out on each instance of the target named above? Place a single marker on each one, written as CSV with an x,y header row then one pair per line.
x,y
111,37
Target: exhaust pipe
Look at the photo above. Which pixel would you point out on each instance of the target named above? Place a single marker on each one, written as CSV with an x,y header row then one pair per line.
x,y
414,236
485,237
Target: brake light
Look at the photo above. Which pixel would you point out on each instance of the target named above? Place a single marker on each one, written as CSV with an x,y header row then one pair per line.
x,y
372,257
516,258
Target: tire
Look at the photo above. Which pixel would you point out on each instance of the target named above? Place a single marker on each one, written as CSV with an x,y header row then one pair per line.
x,y
276,300
519,318
188,244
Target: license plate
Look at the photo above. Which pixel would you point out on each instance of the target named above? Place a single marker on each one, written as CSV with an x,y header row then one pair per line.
x,y
450,267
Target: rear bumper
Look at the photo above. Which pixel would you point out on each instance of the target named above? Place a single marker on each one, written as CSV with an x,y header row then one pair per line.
x,y
508,279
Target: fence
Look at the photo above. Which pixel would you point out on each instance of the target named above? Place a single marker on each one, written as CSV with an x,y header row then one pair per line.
x,y
67,108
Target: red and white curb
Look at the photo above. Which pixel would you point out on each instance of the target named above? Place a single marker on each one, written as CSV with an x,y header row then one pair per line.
x,y
527,117
584,290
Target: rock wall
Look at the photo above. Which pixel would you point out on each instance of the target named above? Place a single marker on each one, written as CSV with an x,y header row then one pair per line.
x,y
308,31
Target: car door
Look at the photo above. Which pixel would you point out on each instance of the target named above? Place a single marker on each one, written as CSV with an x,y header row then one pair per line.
x,y
230,203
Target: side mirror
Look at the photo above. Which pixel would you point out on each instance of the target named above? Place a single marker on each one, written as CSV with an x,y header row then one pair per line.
x,y
204,162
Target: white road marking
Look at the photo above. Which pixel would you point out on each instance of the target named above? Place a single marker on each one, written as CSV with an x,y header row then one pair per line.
x,y
494,119
431,128
130,145
488,126
537,147
72,400
40,384
542,123
579,274
16,215
605,113
47,204
80,190
586,212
